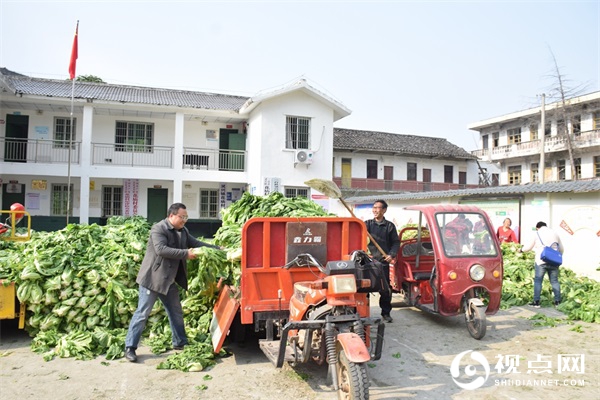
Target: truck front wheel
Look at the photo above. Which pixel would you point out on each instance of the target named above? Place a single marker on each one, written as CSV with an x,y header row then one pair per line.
x,y
352,379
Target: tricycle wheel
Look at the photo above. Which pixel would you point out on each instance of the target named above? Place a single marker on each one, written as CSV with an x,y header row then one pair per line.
x,y
475,318
352,379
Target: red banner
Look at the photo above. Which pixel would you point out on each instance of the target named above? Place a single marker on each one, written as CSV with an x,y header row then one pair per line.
x,y
73,61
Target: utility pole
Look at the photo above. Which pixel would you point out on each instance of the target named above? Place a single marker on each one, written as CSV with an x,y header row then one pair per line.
x,y
542,166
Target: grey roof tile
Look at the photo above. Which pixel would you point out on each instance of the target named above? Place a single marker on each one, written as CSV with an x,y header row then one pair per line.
x,y
120,93
372,141
580,186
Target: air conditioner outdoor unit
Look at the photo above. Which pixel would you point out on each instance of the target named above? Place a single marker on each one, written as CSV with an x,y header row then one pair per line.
x,y
303,157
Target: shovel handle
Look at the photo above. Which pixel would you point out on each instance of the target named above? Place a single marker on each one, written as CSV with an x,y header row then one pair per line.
x,y
368,234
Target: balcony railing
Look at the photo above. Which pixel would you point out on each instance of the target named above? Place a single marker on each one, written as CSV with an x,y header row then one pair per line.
x,y
133,155
551,144
214,159
400,186
38,151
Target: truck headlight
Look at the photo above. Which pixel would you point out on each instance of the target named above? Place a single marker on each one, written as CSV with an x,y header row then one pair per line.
x,y
342,284
477,272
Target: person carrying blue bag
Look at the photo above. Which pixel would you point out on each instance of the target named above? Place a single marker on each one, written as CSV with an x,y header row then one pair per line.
x,y
545,237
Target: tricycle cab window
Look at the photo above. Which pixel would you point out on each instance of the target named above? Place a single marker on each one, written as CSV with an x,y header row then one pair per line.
x,y
465,234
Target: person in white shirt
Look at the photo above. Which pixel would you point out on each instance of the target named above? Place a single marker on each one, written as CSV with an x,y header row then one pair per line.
x,y
544,237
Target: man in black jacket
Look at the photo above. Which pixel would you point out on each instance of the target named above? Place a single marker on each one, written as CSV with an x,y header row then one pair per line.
x,y
163,268
385,234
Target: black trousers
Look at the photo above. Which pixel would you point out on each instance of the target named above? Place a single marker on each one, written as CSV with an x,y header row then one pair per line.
x,y
385,296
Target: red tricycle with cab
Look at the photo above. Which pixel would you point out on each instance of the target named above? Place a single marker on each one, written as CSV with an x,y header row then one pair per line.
x,y
450,263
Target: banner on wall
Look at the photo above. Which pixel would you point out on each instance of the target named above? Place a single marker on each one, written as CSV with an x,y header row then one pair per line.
x,y
130,197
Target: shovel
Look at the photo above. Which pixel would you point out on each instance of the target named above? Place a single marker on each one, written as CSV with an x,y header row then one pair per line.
x,y
329,188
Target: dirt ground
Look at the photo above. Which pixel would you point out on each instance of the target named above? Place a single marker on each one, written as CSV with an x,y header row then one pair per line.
x,y
418,353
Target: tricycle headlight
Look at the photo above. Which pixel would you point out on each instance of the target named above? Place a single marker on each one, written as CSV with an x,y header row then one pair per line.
x,y
342,284
477,272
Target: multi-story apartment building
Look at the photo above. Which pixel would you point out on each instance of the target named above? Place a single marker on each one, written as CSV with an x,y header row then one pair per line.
x,y
87,151
566,146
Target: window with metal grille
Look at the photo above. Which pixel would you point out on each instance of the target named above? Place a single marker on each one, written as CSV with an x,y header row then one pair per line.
x,y
371,169
134,137
59,199
112,200
514,174
209,203
297,132
514,136
292,192
411,171
448,173
597,166
462,177
535,172
62,133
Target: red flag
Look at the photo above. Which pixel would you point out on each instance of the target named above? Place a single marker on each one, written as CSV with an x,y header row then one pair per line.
x,y
73,61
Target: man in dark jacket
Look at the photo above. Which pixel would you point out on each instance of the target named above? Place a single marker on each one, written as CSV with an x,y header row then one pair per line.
x,y
385,234
163,268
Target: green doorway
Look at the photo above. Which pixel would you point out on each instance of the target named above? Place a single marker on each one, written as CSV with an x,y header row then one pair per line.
x,y
11,193
157,204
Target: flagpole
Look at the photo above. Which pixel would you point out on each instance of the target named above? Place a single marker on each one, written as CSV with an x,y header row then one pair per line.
x,y
69,160
72,65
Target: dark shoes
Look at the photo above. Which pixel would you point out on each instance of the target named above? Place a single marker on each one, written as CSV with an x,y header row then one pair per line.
x,y
177,347
387,318
130,354
556,303
534,304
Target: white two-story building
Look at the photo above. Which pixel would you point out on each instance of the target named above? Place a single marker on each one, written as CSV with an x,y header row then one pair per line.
x,y
85,151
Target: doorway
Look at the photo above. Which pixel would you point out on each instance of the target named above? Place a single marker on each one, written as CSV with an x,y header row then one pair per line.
x,y
157,204
15,149
11,193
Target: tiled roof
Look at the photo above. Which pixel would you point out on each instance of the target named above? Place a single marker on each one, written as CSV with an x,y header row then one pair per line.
x,y
21,84
580,186
370,141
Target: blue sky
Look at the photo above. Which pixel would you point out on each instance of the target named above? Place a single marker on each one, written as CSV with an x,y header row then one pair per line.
x,y
416,67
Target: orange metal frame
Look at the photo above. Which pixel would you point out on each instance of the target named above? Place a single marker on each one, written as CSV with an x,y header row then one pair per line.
x,y
265,286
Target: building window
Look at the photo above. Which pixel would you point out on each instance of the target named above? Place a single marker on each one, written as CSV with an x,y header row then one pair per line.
x,y
576,125
462,177
371,169
597,166
514,136
62,132
112,200
209,203
514,174
561,166
297,132
292,192
496,139
134,137
60,200
560,127
485,139
411,171
535,172
597,120
448,173
533,131
495,179
577,167
548,129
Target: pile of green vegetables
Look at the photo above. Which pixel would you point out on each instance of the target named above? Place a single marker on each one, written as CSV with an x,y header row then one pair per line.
x,y
580,295
79,283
